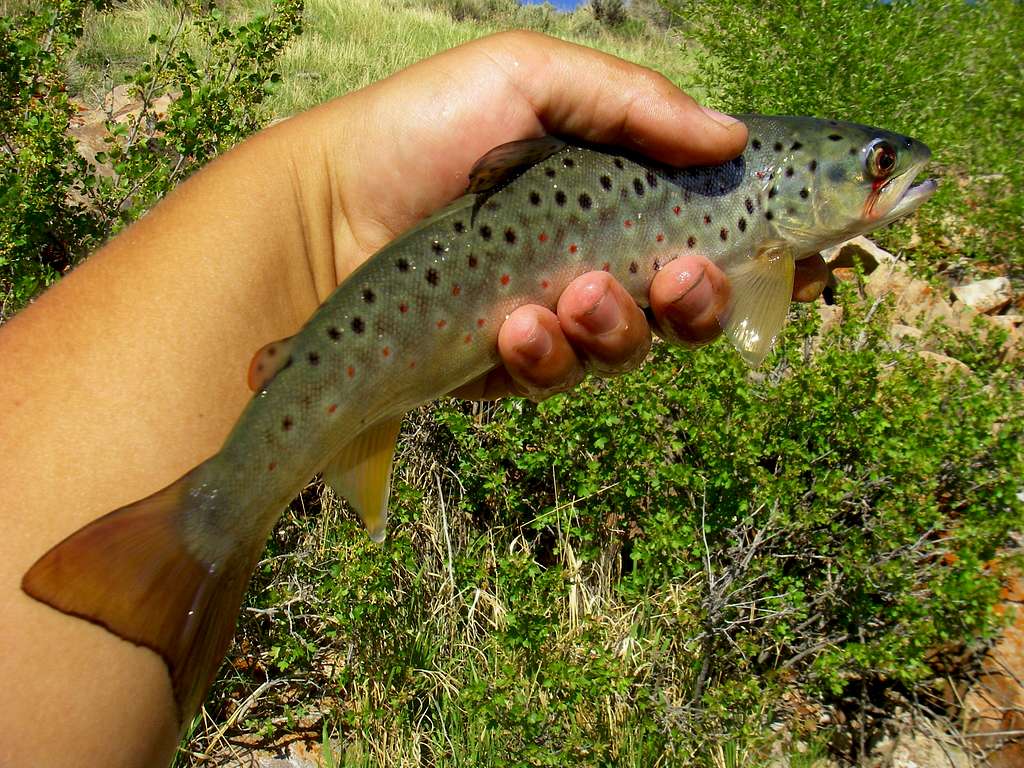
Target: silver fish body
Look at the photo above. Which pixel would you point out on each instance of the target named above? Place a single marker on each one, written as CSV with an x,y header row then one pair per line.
x,y
422,317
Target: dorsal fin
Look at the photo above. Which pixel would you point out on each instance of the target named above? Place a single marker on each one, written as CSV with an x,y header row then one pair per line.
x,y
267,361
506,161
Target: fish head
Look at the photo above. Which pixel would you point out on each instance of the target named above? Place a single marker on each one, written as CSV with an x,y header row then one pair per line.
x,y
825,181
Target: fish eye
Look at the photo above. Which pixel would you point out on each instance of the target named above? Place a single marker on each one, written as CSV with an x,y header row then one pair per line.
x,y
880,159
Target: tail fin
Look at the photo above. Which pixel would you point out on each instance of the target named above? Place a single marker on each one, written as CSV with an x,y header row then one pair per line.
x,y
133,572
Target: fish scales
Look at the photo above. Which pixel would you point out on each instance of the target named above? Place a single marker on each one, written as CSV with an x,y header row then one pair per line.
x,y
421,317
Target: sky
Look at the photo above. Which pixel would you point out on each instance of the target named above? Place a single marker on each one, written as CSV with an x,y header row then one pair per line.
x,y
562,5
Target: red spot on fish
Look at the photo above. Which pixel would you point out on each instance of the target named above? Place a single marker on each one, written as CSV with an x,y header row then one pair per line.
x,y
573,248
627,223
468,338
505,279
412,364
442,323
607,267
332,407
271,466
545,284
760,174
456,290
543,237
660,238
480,323
677,210
403,308
386,351
351,371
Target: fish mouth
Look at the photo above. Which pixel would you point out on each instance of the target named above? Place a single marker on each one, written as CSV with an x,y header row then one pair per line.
x,y
898,197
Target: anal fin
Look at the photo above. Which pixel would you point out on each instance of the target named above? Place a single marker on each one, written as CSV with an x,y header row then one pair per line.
x,y
762,289
361,472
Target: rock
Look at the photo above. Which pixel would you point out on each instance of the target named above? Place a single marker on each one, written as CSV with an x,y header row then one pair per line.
x,y
1008,322
948,365
995,704
986,296
900,332
859,250
920,751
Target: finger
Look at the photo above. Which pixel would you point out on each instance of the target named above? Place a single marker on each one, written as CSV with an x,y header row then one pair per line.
x,y
688,296
604,324
601,98
810,278
536,354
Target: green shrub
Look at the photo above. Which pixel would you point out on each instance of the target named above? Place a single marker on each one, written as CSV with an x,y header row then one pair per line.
x,y
55,205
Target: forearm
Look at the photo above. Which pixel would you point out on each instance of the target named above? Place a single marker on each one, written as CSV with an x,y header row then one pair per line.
x,y
123,376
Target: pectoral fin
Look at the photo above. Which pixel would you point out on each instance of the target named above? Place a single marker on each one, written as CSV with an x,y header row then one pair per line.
x,y
361,472
762,289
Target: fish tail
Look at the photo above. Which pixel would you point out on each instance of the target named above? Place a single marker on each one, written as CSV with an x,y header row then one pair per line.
x,y
134,572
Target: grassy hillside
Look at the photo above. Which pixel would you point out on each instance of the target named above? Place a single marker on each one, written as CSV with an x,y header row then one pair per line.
x,y
658,568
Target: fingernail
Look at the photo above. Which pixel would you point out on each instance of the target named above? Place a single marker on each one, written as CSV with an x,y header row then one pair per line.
x,y
719,117
536,341
695,295
602,317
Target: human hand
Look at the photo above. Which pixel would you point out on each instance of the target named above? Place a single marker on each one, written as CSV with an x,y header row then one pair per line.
x,y
416,136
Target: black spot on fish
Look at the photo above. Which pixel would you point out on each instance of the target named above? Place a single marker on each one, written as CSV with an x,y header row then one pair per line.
x,y
638,186
510,236
492,205
485,232
403,265
789,171
724,233
834,137
742,224
836,173
813,166
617,162
472,261
691,241
804,193
633,267
585,201
790,210
652,180
358,325
750,205
560,197
287,423
778,146
772,192
549,172
432,277
368,296
333,333
853,150
534,198
769,215
606,182
707,218
287,363
314,358
437,246
756,143
568,162
796,145
460,227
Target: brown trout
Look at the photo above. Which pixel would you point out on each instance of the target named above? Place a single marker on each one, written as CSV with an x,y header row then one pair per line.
x,y
422,316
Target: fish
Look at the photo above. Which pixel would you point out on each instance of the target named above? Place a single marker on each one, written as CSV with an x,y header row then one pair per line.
x,y
421,317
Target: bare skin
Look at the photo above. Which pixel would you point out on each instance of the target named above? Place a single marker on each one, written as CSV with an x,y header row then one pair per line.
x,y
132,369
